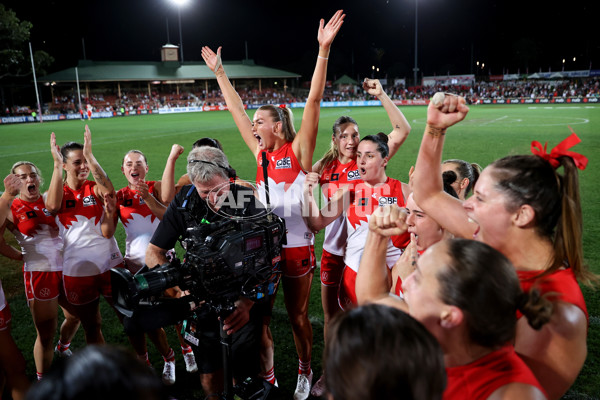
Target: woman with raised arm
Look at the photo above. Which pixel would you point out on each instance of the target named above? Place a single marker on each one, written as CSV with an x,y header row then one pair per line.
x,y
142,205
532,214
86,217
375,190
23,212
338,167
271,135
467,295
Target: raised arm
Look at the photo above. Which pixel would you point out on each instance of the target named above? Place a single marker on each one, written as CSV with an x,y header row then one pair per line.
x,y
235,105
12,187
55,189
400,126
316,218
427,184
372,281
306,138
103,184
166,186
109,220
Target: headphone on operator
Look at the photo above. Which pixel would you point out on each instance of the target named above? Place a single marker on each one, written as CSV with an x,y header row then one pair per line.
x,y
187,206
231,174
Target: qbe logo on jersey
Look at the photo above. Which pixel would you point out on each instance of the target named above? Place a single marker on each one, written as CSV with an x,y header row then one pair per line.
x,y
353,175
89,200
387,201
284,163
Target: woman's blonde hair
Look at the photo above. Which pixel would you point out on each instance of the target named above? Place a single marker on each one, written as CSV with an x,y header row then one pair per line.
x,y
333,153
284,115
32,165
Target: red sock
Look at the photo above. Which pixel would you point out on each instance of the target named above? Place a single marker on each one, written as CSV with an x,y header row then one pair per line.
x,y
170,357
186,350
144,357
39,376
269,376
63,346
304,367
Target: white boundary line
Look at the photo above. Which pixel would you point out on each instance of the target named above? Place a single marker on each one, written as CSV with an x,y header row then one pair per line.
x,y
495,120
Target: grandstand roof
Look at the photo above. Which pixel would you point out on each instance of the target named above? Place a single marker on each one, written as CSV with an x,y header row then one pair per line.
x,y
345,80
109,71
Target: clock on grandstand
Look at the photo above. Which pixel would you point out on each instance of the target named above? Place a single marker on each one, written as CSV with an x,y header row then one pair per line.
x,y
170,52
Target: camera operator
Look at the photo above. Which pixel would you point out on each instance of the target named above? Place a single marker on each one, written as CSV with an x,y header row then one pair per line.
x,y
207,202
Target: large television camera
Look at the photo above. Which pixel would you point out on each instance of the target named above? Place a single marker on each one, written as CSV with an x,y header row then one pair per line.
x,y
223,261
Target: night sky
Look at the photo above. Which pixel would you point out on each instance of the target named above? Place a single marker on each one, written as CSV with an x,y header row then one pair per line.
x,y
452,35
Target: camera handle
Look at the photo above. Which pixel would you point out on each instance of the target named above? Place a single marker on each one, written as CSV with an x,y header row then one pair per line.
x,y
226,352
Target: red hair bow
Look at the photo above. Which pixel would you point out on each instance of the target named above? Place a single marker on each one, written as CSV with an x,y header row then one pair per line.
x,y
562,149
282,106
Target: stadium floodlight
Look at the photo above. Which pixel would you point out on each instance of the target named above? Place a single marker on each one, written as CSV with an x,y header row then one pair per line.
x,y
416,68
179,4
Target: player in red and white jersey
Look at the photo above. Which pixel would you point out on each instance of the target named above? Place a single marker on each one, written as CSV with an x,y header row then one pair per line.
x,y
86,216
142,203
141,207
23,212
272,132
375,190
475,327
528,210
12,363
336,168
367,199
286,179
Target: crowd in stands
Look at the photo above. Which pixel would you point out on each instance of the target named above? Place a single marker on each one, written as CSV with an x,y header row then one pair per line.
x,y
135,100
510,89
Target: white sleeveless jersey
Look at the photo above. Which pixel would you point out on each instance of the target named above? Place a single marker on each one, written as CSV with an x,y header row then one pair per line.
x,y
367,200
36,232
139,223
86,251
334,176
286,181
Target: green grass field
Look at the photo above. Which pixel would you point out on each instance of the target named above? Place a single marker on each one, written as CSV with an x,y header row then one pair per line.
x,y
488,133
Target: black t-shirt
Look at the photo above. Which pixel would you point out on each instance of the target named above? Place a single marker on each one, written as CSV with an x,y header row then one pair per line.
x,y
173,226
246,341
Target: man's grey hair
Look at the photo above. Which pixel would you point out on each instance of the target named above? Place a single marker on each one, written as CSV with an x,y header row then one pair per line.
x,y
215,164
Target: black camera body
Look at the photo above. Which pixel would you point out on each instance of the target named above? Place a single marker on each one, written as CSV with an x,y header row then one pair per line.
x,y
236,258
223,261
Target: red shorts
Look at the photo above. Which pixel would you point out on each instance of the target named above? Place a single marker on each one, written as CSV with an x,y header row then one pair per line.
x,y
331,269
298,261
5,317
347,292
42,285
81,290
